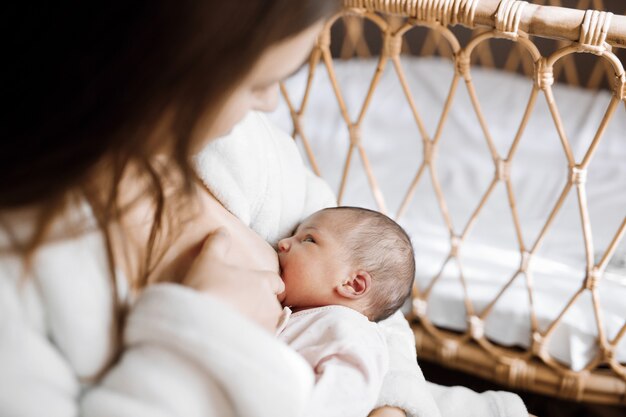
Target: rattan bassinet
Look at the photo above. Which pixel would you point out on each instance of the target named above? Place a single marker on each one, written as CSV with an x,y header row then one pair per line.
x,y
578,31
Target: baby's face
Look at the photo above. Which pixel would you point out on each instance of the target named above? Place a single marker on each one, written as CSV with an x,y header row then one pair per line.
x,y
313,261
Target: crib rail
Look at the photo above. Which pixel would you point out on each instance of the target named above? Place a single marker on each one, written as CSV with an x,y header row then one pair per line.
x,y
547,21
353,39
603,380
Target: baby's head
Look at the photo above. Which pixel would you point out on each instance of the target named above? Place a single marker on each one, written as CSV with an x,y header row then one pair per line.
x,y
350,256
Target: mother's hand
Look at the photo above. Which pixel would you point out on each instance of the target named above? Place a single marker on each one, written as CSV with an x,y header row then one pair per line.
x,y
251,292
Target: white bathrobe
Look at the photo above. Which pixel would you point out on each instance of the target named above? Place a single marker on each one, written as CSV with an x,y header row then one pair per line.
x,y
185,353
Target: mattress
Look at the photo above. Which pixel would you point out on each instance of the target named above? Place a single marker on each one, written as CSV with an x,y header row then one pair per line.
x,y
490,255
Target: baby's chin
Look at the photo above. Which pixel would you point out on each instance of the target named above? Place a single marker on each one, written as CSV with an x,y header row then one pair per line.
x,y
284,273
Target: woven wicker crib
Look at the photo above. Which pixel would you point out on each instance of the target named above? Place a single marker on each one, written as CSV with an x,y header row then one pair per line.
x,y
524,26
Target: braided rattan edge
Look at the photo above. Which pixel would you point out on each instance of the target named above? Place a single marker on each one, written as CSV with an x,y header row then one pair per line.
x,y
599,386
543,21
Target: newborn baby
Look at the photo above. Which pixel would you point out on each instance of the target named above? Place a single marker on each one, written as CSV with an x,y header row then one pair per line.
x,y
344,269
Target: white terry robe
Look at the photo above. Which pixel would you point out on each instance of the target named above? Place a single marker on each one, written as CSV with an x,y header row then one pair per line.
x,y
348,354
258,175
185,352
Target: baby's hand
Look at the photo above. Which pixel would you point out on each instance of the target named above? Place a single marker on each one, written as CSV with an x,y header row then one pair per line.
x,y
251,292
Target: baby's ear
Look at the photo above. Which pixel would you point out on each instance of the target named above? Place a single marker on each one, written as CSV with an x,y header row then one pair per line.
x,y
356,285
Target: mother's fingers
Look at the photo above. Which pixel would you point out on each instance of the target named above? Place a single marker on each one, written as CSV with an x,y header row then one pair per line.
x,y
252,292
215,246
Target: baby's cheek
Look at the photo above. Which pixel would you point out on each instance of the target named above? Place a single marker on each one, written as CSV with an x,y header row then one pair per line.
x,y
287,279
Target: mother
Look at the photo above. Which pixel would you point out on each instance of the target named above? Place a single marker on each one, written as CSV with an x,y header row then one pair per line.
x,y
101,211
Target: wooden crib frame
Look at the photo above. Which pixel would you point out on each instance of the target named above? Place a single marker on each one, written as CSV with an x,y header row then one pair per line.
x,y
603,380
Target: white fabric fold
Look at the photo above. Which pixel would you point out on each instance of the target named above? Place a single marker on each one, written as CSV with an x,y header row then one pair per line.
x,y
256,172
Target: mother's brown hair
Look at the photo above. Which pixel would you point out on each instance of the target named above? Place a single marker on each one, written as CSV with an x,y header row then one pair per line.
x,y
86,85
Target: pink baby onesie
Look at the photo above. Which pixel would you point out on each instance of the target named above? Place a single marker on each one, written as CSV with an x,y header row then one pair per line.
x,y
348,354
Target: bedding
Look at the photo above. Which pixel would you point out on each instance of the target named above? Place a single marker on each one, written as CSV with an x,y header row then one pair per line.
x,y
490,254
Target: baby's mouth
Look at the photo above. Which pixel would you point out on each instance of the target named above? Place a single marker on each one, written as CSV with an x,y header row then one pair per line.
x,y
281,297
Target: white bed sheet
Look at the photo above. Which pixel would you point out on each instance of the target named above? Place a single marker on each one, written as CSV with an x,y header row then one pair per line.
x,y
393,145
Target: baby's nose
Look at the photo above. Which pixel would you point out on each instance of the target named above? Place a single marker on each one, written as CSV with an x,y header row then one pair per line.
x,y
283,245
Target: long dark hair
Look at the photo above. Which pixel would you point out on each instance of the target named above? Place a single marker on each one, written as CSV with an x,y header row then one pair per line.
x,y
86,84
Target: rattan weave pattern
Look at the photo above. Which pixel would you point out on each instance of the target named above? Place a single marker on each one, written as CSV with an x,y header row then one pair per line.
x,y
597,33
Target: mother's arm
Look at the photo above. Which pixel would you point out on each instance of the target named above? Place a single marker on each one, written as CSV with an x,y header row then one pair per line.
x,y
404,386
189,353
185,352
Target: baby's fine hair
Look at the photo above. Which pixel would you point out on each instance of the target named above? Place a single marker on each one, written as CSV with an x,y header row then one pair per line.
x,y
380,246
